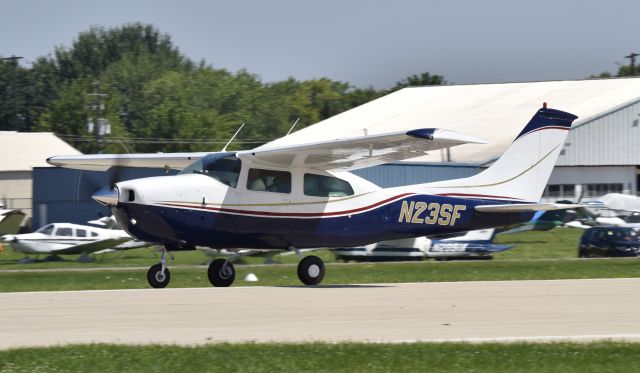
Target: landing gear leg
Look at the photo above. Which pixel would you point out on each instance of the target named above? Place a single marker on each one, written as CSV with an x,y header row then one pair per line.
x,y
159,275
310,269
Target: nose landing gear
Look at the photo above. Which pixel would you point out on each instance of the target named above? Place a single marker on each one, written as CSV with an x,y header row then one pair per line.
x,y
158,275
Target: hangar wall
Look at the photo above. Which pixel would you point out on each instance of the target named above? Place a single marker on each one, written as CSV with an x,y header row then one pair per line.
x,y
591,181
611,138
64,195
407,173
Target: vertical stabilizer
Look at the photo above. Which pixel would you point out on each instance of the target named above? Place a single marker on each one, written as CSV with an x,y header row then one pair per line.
x,y
522,172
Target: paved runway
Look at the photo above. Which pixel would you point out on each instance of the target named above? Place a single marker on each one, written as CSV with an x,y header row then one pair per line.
x,y
471,311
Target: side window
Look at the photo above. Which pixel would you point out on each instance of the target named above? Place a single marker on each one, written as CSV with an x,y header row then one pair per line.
x,y
599,235
64,232
326,186
94,234
269,181
81,233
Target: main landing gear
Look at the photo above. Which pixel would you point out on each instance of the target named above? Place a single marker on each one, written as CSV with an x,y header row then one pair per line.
x,y
222,273
311,270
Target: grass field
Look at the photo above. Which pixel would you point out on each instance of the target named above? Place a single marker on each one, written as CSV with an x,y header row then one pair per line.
x,y
285,275
555,244
554,251
323,357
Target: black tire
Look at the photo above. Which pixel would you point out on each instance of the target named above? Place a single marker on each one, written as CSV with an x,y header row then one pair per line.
x,y
218,278
311,270
155,277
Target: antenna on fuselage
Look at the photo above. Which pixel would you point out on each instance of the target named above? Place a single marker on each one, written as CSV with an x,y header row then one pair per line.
x,y
233,137
294,124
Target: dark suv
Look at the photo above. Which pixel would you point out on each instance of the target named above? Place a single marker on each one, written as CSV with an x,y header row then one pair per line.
x,y
609,241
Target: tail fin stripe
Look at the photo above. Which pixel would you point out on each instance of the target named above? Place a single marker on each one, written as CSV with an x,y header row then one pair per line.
x,y
543,128
503,181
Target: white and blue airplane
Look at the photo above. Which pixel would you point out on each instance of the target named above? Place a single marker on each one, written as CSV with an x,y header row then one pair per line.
x,y
302,196
476,244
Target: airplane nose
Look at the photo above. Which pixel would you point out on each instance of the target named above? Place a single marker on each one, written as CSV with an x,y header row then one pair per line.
x,y
106,196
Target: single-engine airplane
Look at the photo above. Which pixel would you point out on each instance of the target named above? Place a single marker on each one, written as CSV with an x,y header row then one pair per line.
x,y
71,239
302,196
476,244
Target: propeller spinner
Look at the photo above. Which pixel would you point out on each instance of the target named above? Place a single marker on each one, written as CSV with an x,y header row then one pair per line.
x,y
107,196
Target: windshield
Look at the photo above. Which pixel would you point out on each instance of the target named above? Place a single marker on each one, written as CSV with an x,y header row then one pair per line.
x,y
223,167
47,229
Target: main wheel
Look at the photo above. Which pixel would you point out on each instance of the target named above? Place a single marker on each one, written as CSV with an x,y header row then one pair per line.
x,y
221,275
156,278
311,270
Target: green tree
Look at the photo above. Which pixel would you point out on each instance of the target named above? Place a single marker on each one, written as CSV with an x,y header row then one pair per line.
x,y
420,80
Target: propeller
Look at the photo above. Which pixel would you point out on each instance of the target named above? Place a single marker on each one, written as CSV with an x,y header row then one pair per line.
x,y
108,195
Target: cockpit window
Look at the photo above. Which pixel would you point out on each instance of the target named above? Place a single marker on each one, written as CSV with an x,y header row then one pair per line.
x,y
47,229
224,167
326,186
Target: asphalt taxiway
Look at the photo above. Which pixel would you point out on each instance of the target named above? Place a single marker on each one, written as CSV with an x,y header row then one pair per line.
x,y
444,311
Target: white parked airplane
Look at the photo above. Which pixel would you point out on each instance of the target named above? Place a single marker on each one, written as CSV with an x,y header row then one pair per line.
x,y
71,239
301,196
473,244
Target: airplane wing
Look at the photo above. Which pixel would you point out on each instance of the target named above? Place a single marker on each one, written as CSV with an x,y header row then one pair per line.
x,y
91,247
526,207
359,152
102,162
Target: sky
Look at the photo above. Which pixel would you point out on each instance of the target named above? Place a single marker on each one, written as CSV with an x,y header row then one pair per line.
x,y
365,43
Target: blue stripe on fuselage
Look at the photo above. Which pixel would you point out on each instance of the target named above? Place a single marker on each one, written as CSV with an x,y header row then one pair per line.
x,y
220,230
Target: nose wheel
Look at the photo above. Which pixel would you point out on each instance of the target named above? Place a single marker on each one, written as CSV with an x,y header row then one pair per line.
x,y
311,270
221,273
158,275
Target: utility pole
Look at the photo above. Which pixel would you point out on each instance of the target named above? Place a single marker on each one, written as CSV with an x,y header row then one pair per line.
x,y
15,118
632,56
100,127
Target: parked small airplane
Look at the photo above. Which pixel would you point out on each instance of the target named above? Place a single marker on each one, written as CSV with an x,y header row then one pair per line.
x,y
71,239
301,196
472,245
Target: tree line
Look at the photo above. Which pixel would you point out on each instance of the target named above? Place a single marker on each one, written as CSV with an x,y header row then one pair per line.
x,y
129,89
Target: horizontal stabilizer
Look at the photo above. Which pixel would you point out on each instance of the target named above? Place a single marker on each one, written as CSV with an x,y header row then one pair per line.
x,y
526,207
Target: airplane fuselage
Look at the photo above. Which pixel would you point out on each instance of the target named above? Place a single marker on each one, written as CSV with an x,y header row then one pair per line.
x,y
204,212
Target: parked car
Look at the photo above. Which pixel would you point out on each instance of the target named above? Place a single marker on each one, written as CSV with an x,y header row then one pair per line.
x,y
609,241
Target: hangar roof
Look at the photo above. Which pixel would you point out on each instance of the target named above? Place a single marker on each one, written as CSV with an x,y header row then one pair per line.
x,y
21,151
493,112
